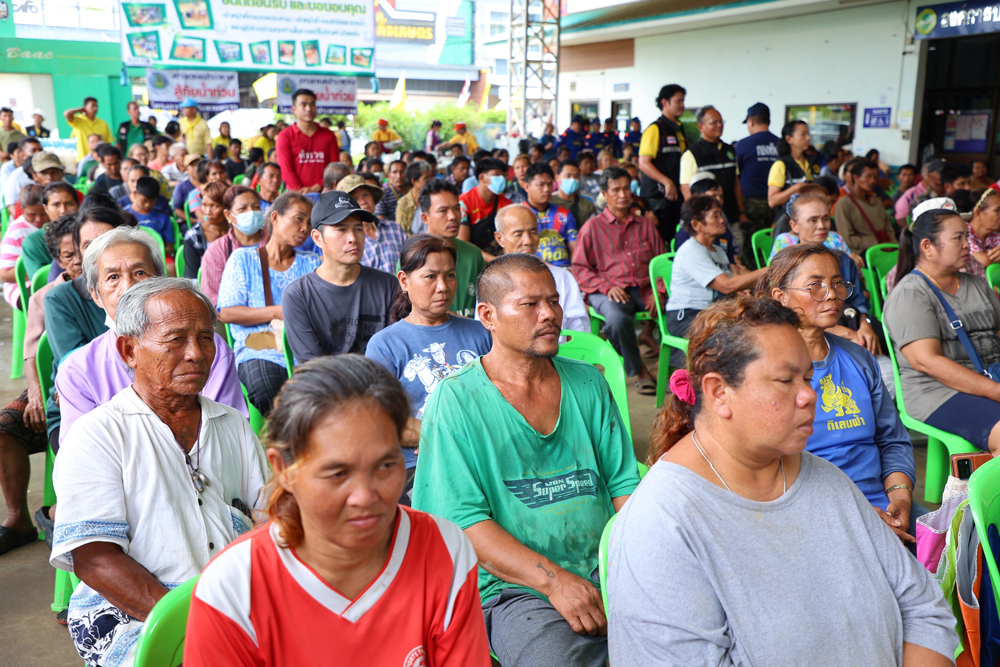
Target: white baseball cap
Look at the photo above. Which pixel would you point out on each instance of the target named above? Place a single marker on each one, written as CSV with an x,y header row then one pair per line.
x,y
38,112
934,204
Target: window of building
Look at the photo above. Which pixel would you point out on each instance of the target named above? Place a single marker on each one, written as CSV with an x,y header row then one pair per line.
x,y
827,122
498,23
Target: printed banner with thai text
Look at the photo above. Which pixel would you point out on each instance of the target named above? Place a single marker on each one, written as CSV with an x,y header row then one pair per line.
x,y
333,94
213,91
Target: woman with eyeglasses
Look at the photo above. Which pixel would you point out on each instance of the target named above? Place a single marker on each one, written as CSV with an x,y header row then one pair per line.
x,y
856,426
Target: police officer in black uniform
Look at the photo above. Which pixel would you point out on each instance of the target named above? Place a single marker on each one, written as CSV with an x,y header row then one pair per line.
x,y
660,151
711,154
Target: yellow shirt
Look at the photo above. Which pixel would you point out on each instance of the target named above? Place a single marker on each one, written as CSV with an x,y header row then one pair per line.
x,y
83,127
466,140
197,138
220,141
386,135
265,145
649,145
776,176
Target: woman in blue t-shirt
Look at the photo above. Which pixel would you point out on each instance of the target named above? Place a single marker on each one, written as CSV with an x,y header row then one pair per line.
x,y
260,357
856,426
425,344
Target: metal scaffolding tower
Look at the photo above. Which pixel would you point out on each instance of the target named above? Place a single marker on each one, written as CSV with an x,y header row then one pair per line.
x,y
533,65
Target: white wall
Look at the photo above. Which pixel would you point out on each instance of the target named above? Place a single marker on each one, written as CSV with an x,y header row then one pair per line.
x,y
27,92
854,55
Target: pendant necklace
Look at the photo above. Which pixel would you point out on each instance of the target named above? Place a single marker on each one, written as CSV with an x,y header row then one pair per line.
x,y
781,463
197,476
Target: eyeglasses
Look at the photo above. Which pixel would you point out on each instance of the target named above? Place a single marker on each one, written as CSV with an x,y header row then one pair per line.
x,y
821,291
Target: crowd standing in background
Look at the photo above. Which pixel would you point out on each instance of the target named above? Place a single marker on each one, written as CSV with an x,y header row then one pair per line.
x,y
398,324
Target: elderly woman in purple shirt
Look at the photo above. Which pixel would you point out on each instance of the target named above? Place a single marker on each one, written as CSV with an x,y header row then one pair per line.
x,y
94,373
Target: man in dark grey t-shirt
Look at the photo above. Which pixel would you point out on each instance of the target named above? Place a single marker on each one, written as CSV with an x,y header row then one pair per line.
x,y
337,308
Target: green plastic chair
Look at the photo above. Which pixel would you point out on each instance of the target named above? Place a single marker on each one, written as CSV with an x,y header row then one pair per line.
x,y
661,268
158,239
984,492
4,220
161,642
187,213
993,275
940,444
596,320
179,260
762,241
289,356
19,322
879,260
66,582
597,351
41,278
602,560
178,236
239,179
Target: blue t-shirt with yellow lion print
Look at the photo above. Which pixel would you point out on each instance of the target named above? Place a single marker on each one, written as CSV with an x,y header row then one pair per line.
x,y
556,230
856,427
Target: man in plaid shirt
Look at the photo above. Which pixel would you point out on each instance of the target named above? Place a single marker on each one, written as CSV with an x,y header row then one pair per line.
x,y
611,264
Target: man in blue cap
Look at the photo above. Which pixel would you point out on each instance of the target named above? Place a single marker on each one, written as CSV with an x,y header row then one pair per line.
x,y
754,157
634,134
572,138
197,138
595,140
611,139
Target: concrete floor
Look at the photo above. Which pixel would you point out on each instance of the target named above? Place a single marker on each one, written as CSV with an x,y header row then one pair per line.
x,y
29,635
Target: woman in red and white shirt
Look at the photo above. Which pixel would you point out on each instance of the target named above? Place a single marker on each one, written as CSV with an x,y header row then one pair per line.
x,y
341,575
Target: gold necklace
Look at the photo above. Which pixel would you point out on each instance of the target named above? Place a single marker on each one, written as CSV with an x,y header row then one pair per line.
x,y
957,276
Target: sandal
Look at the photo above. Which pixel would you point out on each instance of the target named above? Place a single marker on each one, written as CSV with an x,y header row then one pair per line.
x,y
646,387
47,525
12,539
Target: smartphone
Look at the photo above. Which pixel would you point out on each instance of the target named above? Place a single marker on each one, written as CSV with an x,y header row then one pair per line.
x,y
963,465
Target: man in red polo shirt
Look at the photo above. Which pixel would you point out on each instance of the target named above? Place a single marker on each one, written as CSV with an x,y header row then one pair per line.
x,y
304,149
480,206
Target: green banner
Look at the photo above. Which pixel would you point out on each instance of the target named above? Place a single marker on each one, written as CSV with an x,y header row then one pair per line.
x,y
52,56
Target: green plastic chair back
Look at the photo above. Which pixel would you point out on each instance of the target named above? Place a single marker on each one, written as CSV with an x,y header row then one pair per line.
x,y
161,642
187,213
179,260
597,351
993,275
984,501
239,179
289,356
879,260
940,444
4,219
602,560
762,241
661,269
41,278
596,318
158,239
43,364
178,236
19,322
23,283
257,421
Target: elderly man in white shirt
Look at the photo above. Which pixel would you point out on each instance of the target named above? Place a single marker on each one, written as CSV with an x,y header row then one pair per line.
x,y
155,482
517,231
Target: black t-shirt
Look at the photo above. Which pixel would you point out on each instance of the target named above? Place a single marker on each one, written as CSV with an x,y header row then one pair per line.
x,y
104,183
322,318
234,169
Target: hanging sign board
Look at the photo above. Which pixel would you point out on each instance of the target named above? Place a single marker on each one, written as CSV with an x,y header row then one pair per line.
x,y
334,95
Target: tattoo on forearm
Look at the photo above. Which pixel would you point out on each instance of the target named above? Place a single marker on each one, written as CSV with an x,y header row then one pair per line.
x,y
550,573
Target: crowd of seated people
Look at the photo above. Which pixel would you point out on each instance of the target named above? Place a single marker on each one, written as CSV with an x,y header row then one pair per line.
x,y
429,463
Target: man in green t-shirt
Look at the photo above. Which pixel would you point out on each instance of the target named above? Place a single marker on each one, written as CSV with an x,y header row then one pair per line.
x,y
441,212
527,453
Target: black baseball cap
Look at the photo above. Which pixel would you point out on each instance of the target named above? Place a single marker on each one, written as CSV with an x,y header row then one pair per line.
x,y
759,109
334,207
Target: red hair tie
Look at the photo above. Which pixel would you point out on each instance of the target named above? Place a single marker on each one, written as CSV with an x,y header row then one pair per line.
x,y
680,386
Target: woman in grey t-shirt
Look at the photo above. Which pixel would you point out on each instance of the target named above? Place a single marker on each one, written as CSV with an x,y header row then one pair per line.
x,y
940,385
738,548
702,272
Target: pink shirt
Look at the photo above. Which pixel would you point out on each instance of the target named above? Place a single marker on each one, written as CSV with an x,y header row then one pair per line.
x,y
10,250
905,202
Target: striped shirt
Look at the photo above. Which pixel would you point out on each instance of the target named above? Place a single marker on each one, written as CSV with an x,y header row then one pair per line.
x,y
613,254
10,250
386,207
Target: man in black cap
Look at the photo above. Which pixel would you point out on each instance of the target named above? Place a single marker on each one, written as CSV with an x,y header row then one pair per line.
x,y
572,138
337,308
660,151
754,157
